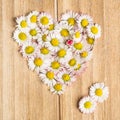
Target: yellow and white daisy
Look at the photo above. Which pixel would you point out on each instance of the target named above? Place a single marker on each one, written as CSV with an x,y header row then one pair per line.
x,y
32,18
21,36
87,105
65,76
84,21
86,55
43,50
64,29
28,49
51,27
77,35
22,23
48,76
63,54
37,63
57,88
70,17
34,32
99,92
44,20
43,36
55,41
94,31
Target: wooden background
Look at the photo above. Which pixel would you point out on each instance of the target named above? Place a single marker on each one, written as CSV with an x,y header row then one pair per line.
x,y
24,97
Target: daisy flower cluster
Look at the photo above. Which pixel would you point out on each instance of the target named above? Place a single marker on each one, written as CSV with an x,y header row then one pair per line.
x,y
97,94
56,50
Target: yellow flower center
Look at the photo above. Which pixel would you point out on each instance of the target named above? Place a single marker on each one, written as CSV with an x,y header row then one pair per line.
x,y
87,104
50,75
99,92
90,40
58,87
44,37
94,30
64,32
72,62
66,77
51,27
38,62
84,54
33,32
23,24
29,49
44,20
33,19
55,65
54,42
71,21
84,23
44,50
77,34
78,67
78,46
22,36
61,53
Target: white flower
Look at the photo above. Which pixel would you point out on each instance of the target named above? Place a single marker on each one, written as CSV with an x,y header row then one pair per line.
x,y
32,19
84,21
57,88
44,20
22,23
77,35
21,36
55,41
64,29
48,76
34,32
94,31
87,105
65,76
99,92
43,50
28,49
37,63
70,17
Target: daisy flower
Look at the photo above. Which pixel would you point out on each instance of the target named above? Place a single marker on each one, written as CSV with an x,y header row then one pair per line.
x,y
64,54
84,21
65,76
48,76
64,29
44,20
43,50
55,41
37,63
70,17
99,92
87,105
22,23
51,27
42,38
32,18
34,32
90,41
57,88
28,49
94,31
86,55
77,35
21,36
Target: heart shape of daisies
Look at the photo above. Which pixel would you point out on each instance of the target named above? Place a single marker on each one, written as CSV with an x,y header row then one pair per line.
x,y
56,50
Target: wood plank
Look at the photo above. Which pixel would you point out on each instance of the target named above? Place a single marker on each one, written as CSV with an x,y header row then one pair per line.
x,y
23,96
105,65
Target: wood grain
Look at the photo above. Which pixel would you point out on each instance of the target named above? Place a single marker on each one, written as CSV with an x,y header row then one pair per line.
x,y
24,97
